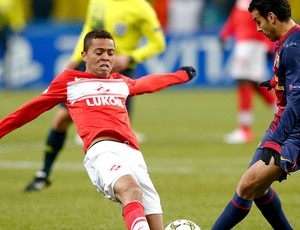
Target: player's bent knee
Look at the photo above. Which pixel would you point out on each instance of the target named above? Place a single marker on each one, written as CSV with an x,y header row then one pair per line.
x,y
248,187
127,189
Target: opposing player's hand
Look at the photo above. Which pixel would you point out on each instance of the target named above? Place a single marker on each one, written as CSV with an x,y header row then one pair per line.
x,y
268,153
266,84
191,72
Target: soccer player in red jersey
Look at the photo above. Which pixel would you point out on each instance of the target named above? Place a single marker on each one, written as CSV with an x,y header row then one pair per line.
x,y
96,101
248,68
279,151
129,22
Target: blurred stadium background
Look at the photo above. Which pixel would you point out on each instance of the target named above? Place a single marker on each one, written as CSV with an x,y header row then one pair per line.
x,y
39,50
193,170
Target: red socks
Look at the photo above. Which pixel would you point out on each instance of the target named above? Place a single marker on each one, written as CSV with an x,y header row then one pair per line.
x,y
134,216
245,97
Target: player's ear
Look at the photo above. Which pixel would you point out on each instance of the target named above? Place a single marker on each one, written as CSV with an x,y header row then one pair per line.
x,y
271,17
84,56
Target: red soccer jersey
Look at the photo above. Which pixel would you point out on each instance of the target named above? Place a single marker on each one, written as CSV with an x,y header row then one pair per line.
x,y
241,25
96,105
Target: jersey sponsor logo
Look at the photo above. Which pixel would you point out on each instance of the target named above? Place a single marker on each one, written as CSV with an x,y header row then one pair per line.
x,y
98,92
294,87
104,100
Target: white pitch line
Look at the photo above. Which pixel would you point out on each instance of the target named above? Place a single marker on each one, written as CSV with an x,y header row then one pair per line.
x,y
38,145
80,167
20,146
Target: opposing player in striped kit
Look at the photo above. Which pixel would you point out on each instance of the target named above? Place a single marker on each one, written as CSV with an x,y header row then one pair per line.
x,y
279,151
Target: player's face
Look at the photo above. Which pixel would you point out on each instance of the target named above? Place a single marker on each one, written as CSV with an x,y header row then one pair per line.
x,y
265,26
100,57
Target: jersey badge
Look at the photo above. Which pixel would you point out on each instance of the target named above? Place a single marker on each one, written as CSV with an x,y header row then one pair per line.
x,y
294,87
120,29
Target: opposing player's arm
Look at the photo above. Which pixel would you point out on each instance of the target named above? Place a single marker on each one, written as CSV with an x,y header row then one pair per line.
x,y
291,114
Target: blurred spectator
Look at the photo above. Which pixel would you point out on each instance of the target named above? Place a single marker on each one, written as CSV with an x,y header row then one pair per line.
x,y
295,5
184,16
63,11
12,21
216,12
249,67
42,9
161,7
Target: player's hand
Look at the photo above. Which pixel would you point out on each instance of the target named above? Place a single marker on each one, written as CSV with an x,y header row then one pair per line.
x,y
268,153
266,84
191,72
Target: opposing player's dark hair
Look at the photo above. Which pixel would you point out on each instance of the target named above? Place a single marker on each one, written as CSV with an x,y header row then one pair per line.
x,y
281,8
96,33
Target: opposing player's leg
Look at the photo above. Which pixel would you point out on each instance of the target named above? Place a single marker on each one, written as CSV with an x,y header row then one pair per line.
x,y
55,142
254,185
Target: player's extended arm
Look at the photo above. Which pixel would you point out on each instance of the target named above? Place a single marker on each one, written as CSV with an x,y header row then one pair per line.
x,y
150,28
26,113
155,82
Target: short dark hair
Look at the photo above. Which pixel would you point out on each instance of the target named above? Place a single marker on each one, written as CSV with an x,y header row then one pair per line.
x,y
281,8
97,33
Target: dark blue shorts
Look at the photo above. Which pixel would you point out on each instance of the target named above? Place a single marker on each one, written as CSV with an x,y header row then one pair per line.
x,y
289,155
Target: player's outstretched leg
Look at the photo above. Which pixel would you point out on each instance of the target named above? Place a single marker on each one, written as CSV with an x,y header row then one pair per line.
x,y
236,210
270,207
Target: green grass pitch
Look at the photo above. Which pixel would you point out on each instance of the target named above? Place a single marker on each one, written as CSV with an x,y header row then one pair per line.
x,y
194,172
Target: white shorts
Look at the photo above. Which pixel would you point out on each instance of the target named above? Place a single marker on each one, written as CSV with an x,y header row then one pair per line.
x,y
107,155
249,61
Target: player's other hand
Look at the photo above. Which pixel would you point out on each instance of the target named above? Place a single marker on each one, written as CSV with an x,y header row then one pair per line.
x,y
268,153
191,72
266,84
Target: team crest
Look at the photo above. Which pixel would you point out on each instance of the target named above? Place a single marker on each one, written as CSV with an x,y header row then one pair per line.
x,y
120,29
